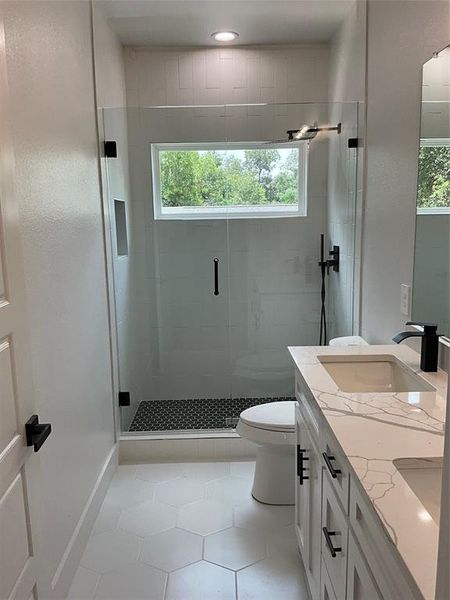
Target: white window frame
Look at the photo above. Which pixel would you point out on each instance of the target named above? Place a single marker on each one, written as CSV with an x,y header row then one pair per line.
x,y
230,212
438,210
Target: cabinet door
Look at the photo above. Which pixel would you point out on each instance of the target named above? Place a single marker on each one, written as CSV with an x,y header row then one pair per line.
x,y
360,583
301,486
334,537
308,505
326,588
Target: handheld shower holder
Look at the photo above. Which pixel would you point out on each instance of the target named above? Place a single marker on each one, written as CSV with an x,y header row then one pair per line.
x,y
332,263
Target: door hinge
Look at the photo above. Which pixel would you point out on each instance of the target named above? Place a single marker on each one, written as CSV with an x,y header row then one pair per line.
x,y
124,398
110,149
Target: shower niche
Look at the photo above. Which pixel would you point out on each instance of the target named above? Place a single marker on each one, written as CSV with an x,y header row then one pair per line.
x,y
207,304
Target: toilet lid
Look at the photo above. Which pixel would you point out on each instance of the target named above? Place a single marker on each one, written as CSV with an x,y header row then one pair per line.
x,y
273,416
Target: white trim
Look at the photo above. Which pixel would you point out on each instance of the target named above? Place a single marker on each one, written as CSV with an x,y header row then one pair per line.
x,y
74,550
427,142
230,212
434,210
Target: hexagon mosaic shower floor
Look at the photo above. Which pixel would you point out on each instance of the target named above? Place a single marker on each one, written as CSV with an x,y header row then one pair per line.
x,y
189,531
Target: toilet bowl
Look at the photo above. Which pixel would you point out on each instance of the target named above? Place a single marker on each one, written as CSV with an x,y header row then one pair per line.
x,y
272,427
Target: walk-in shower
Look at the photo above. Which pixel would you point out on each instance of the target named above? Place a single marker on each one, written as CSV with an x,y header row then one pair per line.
x,y
214,235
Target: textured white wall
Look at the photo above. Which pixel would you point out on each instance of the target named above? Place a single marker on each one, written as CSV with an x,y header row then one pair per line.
x,y
53,118
402,36
270,280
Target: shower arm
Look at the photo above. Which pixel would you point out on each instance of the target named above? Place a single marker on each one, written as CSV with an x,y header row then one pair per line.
x,y
315,130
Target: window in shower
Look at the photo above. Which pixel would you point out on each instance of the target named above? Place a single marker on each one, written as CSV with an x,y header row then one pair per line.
x,y
207,181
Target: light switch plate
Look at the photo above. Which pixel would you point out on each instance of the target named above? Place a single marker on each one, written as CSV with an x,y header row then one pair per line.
x,y
405,299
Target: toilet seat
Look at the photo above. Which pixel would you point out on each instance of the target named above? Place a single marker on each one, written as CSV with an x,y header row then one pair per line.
x,y
271,423
273,416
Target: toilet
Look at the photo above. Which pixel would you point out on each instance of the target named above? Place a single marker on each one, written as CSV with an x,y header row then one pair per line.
x,y
271,427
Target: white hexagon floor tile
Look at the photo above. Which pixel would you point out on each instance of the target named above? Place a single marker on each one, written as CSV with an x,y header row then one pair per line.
x,y
179,491
124,493
235,548
259,516
110,550
206,472
172,549
201,581
205,517
125,472
132,582
83,585
159,472
270,579
243,469
282,544
147,519
233,491
107,518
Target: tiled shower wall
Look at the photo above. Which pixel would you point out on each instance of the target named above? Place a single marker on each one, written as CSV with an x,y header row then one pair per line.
x,y
171,77
189,343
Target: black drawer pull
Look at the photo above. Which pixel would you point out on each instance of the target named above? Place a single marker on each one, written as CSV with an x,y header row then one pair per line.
x,y
36,432
333,472
216,277
300,466
328,535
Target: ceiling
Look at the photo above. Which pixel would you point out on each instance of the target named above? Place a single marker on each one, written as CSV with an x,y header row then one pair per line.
x,y
190,23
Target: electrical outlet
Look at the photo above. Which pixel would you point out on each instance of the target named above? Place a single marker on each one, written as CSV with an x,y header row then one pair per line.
x,y
405,295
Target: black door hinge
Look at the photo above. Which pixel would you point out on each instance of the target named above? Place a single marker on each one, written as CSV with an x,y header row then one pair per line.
x,y
124,398
110,149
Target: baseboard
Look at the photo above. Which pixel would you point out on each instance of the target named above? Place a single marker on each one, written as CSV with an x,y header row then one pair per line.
x,y
187,449
69,563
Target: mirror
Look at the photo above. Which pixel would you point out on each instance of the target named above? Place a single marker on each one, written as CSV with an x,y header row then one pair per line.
x,y
431,289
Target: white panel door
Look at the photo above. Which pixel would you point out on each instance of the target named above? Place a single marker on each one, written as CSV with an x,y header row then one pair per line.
x,y
18,577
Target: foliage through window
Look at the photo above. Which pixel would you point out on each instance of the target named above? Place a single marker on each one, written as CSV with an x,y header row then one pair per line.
x,y
215,180
433,189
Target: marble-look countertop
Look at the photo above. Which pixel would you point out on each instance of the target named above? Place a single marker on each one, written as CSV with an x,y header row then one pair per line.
x,y
373,430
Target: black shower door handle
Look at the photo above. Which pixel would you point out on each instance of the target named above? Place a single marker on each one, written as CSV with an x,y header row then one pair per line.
x,y
216,277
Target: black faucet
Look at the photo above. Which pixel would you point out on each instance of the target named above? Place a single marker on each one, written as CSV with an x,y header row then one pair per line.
x,y
430,344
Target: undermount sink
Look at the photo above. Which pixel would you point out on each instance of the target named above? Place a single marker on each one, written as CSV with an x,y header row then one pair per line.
x,y
373,374
424,475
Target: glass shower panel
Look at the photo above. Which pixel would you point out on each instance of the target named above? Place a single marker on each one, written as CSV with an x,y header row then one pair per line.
x,y
172,321
274,274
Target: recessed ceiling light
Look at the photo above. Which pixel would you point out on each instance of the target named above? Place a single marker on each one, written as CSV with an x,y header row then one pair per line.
x,y
224,36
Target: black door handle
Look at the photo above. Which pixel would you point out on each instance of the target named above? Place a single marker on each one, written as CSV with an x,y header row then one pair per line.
x,y
36,432
328,535
333,472
216,277
300,466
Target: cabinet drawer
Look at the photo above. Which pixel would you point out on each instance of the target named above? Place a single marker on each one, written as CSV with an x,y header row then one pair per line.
x,y
336,466
379,551
360,581
326,588
334,537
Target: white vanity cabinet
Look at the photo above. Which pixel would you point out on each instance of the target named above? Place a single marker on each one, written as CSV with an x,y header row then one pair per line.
x,y
308,503
345,551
